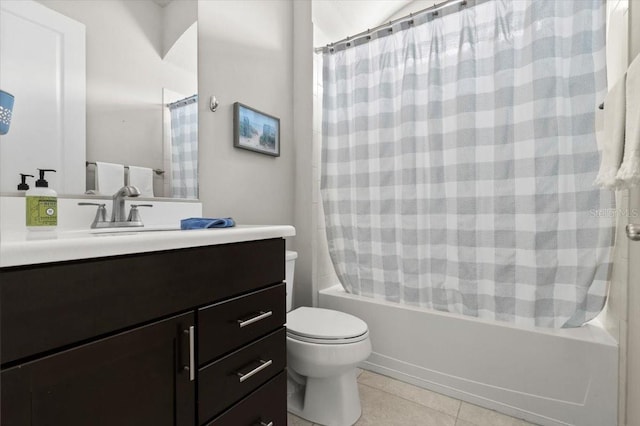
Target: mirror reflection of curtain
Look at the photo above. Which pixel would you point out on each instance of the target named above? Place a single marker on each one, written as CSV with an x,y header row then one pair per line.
x,y
184,148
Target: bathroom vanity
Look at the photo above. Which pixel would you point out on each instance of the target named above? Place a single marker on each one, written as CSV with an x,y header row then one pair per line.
x,y
145,328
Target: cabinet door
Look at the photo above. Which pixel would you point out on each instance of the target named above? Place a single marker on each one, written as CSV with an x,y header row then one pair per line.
x,y
136,378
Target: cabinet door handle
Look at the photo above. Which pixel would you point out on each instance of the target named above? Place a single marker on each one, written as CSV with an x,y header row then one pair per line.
x,y
192,353
262,315
262,366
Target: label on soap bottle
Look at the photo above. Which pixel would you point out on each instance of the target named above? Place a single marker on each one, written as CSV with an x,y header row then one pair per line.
x,y
42,211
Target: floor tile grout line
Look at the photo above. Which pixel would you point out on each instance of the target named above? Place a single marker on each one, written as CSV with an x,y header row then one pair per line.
x,y
460,402
418,387
408,400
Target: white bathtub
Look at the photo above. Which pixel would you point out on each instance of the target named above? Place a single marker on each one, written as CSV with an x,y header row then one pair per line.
x,y
545,376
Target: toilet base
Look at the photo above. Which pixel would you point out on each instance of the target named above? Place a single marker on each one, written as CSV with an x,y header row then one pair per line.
x,y
330,401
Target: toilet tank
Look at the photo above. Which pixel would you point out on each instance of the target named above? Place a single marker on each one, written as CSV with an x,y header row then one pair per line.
x,y
290,265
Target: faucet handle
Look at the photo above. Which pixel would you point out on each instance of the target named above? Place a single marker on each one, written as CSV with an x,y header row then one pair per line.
x,y
101,214
134,214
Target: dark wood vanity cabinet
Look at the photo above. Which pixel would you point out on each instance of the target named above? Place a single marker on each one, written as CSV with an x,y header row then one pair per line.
x,y
184,337
133,378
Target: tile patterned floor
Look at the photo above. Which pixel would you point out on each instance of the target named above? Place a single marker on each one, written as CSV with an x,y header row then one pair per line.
x,y
389,402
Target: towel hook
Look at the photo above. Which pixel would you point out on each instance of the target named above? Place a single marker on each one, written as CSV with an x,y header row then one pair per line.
x,y
213,104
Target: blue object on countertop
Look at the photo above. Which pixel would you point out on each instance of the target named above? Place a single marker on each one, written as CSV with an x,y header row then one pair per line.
x,y
205,222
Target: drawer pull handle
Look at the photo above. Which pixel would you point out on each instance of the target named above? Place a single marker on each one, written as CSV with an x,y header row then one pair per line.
x,y
262,366
262,315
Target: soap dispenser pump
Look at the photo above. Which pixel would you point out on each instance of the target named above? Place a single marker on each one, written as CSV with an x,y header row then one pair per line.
x,y
23,186
42,205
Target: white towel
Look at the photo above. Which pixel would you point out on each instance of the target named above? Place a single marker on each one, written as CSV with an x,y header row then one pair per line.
x,y
617,43
611,138
142,178
629,173
109,178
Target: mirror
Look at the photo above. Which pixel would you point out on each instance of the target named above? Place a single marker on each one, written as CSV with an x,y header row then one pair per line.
x,y
141,62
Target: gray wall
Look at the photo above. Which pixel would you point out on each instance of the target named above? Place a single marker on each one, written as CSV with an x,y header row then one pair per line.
x,y
633,333
259,53
634,28
303,135
245,55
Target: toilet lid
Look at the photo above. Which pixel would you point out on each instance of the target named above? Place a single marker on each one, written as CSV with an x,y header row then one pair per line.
x,y
324,324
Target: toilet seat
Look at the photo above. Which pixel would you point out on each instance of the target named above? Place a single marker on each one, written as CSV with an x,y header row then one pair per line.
x,y
328,341
325,326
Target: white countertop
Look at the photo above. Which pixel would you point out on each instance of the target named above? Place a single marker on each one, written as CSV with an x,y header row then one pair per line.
x,y
23,248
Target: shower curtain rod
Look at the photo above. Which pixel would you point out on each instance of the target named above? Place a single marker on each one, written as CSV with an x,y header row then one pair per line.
x,y
431,9
186,101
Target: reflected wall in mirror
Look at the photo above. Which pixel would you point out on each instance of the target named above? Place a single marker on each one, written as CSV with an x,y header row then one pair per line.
x,y
141,57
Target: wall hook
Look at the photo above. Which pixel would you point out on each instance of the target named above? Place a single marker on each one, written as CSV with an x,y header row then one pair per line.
x,y
213,104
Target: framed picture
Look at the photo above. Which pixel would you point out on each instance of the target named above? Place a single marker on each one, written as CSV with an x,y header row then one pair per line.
x,y
255,130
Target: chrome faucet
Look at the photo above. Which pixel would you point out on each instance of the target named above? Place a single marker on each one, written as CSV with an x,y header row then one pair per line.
x,y
118,216
117,212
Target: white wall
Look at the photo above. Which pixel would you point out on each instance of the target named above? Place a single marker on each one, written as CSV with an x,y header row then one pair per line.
x,y
614,315
633,324
633,344
338,19
42,63
246,55
623,306
125,77
177,16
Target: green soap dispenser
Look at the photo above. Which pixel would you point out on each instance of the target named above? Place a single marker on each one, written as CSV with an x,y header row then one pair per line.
x,y
42,205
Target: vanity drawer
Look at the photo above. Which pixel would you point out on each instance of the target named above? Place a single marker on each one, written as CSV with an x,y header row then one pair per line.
x,y
229,379
228,325
49,306
264,406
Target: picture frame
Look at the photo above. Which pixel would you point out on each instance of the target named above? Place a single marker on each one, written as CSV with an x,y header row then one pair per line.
x,y
256,131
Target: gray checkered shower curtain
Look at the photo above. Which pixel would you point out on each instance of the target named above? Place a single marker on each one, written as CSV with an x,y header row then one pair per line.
x,y
458,160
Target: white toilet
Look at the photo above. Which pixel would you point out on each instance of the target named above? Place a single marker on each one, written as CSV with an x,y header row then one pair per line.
x,y
323,349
